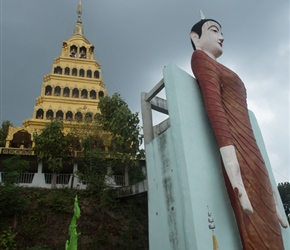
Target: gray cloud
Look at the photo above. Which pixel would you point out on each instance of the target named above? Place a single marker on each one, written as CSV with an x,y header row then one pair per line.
x,y
135,39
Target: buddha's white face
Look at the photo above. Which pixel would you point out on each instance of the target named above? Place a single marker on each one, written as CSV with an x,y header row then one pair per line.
x,y
211,40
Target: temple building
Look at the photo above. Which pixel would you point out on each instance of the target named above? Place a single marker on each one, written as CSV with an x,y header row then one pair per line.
x,y
70,92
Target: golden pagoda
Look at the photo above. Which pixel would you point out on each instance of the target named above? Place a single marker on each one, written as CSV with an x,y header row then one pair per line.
x,y
70,93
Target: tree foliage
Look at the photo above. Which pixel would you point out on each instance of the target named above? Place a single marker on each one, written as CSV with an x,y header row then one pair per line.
x,y
13,167
95,166
7,240
115,123
284,190
84,128
53,147
4,132
123,125
11,200
85,134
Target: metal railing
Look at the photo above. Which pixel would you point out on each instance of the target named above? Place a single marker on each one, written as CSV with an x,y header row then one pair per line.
x,y
60,178
119,180
24,178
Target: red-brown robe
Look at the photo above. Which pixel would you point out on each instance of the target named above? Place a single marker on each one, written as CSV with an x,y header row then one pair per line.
x,y
225,102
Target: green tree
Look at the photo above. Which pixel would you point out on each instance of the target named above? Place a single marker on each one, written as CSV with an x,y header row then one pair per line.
x,y
85,135
53,147
4,132
117,119
13,167
11,199
284,190
95,166
7,240
87,138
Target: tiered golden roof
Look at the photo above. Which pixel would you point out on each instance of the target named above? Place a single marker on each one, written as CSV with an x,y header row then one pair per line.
x,y
70,92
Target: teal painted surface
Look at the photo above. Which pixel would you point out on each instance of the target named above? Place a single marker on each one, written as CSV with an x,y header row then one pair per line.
x,y
184,175
166,231
191,156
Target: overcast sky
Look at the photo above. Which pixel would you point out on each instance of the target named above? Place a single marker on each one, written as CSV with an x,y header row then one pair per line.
x,y
135,39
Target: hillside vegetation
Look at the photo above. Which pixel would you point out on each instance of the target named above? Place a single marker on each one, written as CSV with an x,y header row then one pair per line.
x,y
35,219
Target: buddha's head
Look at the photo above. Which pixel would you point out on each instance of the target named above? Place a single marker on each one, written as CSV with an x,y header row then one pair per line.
x,y
206,35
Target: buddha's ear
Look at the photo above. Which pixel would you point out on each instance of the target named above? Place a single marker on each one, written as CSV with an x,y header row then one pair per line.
x,y
195,39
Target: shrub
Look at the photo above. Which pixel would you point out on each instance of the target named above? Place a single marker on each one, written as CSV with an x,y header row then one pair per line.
x,y
7,240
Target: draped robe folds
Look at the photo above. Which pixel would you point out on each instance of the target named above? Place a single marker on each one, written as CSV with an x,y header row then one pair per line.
x,y
225,102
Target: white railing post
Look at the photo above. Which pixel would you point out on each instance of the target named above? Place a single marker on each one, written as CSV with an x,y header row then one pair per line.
x,y
39,167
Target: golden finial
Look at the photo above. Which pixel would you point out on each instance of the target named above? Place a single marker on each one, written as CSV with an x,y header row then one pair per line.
x,y
79,27
79,9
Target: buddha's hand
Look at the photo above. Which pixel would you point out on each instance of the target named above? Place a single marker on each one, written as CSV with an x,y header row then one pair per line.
x,y
232,168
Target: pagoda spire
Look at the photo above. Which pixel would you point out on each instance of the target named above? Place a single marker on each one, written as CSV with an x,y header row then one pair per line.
x,y
79,25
